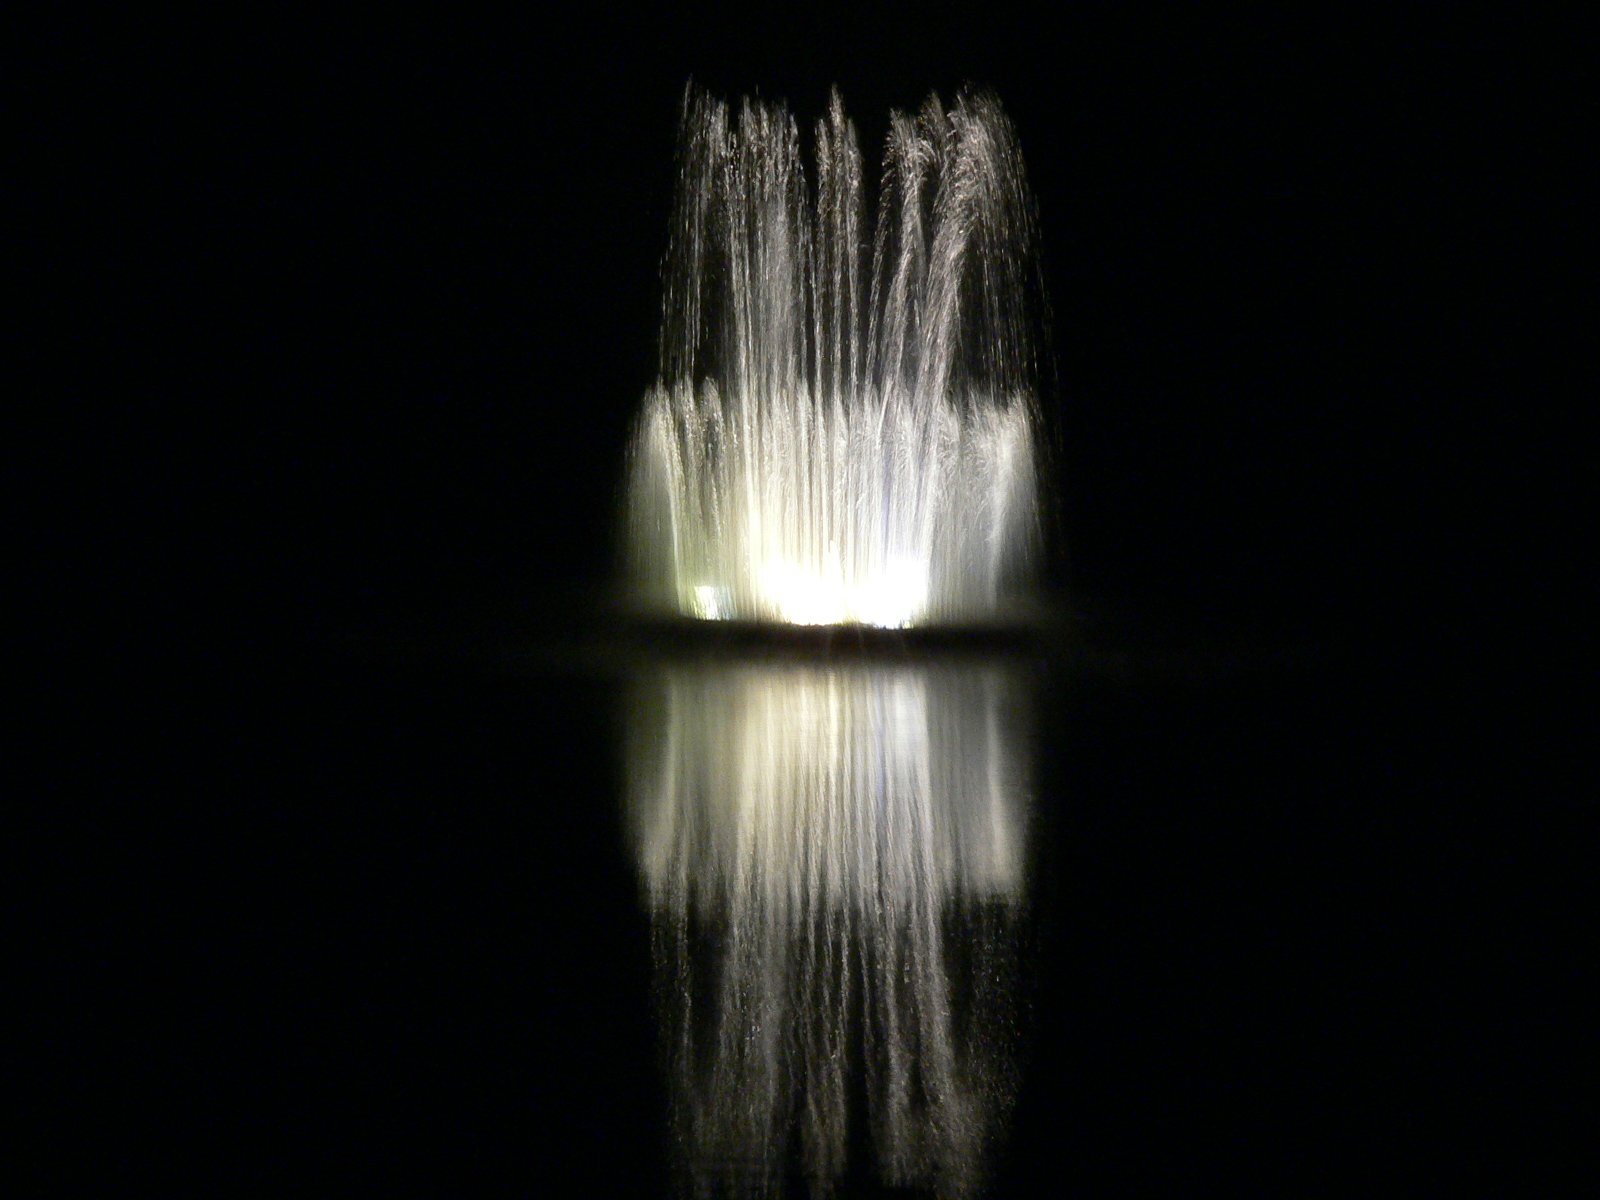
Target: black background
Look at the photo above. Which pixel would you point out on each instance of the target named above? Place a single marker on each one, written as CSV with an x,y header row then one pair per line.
x,y
364,314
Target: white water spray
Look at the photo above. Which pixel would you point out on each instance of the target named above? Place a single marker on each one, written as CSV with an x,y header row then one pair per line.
x,y
828,445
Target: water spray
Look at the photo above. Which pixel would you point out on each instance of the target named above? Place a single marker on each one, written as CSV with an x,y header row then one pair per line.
x,y
844,430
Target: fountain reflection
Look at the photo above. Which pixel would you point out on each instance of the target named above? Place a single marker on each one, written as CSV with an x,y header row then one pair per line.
x,y
835,863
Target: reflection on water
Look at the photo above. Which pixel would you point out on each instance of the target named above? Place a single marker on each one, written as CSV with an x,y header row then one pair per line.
x,y
834,858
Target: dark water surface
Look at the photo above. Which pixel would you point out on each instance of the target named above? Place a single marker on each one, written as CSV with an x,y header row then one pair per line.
x,y
1113,919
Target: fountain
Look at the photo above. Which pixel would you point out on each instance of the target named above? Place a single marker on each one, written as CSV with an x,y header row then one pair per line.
x,y
830,444
833,850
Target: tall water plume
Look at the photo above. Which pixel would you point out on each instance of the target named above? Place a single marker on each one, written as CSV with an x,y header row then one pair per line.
x,y
830,441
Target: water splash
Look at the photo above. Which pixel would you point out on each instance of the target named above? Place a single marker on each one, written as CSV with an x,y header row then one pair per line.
x,y
829,444
835,861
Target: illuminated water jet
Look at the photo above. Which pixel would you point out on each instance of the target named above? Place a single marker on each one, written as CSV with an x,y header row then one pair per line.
x,y
835,859
828,444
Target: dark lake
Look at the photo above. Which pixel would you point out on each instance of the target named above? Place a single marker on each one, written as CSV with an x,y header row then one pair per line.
x,y
669,916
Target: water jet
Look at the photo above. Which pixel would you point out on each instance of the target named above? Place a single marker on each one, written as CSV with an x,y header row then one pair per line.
x,y
845,427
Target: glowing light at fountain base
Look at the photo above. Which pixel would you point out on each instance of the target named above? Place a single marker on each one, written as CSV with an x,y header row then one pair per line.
x,y
889,514
891,599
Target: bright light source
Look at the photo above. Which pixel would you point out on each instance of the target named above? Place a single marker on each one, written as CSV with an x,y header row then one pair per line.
x,y
896,597
892,598
708,602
